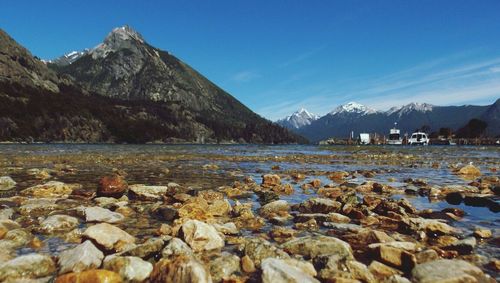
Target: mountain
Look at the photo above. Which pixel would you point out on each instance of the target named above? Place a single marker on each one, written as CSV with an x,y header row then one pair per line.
x,y
357,118
122,91
67,59
298,119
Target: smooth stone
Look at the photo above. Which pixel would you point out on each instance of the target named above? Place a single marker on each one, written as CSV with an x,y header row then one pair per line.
x,y
130,268
201,236
30,266
112,186
6,213
80,258
398,258
58,224
52,189
278,271
446,270
274,208
108,236
176,247
469,170
181,269
224,266
322,218
247,264
407,246
6,183
144,192
313,246
380,270
93,275
99,214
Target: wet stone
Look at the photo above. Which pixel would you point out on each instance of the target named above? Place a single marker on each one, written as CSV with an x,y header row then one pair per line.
x,y
29,266
58,224
130,268
112,186
6,183
82,257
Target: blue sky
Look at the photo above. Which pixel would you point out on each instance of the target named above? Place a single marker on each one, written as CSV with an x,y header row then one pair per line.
x,y
278,56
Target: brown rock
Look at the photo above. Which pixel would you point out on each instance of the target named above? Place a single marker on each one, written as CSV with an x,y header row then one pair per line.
x,y
93,275
247,264
112,186
380,270
482,233
270,180
182,269
396,257
469,170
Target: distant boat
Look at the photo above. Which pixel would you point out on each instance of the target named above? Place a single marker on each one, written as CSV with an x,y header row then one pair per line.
x,y
418,138
395,136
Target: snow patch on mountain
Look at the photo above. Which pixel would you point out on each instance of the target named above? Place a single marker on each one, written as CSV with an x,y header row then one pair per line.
x,y
298,119
414,106
68,58
353,107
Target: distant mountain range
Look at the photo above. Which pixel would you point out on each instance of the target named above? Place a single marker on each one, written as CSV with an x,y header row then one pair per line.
x,y
359,118
123,90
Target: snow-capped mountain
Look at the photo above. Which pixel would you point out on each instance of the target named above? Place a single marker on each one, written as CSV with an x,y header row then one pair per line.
x,y
353,107
357,118
414,106
298,119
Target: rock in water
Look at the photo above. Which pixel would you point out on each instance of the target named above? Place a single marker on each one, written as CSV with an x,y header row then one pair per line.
x,y
201,236
83,257
6,183
29,266
313,246
99,214
224,266
108,236
112,186
58,224
176,247
445,270
271,180
131,268
278,271
469,170
143,192
274,208
93,275
52,189
182,269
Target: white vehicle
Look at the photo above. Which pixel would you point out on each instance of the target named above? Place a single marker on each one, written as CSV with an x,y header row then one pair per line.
x,y
395,136
364,138
418,138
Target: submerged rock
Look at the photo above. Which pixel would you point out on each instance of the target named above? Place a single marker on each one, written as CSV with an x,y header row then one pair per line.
x,y
258,249
469,170
224,266
279,271
201,236
58,224
29,266
176,247
82,257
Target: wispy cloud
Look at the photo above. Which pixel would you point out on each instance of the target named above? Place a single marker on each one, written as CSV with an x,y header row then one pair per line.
x,y
302,57
451,80
245,76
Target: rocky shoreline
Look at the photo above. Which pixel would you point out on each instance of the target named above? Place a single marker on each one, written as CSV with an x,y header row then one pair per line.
x,y
237,228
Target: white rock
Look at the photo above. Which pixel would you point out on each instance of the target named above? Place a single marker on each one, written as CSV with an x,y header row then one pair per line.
x,y
99,214
58,223
6,183
131,268
108,236
83,257
278,271
201,236
29,266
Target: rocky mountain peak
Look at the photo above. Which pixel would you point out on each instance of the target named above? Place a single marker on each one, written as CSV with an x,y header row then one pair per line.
x,y
298,119
119,38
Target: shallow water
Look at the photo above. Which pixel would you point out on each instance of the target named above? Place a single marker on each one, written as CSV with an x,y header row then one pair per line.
x,y
147,164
